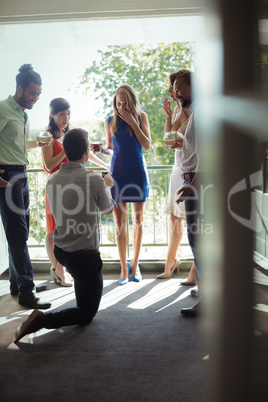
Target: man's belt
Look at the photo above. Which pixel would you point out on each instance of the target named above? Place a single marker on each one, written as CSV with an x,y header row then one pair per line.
x,y
20,168
188,176
86,251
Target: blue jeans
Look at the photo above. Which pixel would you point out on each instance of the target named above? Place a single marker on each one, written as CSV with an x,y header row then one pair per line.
x,y
14,209
192,219
86,269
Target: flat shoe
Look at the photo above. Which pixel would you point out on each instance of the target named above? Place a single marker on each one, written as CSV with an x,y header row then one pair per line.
x,y
194,292
41,287
192,311
188,283
57,280
32,324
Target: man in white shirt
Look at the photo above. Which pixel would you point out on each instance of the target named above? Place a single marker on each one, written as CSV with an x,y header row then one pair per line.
x,y
75,196
190,167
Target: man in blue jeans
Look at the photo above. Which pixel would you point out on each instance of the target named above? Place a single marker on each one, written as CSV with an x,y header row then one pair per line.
x,y
189,192
14,193
75,196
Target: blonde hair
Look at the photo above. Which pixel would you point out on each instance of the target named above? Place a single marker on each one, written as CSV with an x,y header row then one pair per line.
x,y
132,105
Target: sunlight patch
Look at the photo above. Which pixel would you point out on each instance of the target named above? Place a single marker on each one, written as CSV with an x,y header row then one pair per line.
x,y
185,294
119,293
108,282
262,307
7,320
160,292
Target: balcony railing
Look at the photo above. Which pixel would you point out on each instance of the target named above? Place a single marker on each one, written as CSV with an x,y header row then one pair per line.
x,y
155,228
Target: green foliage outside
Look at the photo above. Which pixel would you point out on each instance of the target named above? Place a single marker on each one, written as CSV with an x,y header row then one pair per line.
x,y
146,68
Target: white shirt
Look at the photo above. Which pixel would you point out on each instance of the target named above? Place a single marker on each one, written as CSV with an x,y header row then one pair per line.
x,y
190,158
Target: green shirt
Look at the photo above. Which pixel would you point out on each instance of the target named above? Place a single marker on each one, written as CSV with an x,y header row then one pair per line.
x,y
14,133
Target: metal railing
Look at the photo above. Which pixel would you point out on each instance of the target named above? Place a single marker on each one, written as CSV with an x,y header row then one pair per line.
x,y
155,226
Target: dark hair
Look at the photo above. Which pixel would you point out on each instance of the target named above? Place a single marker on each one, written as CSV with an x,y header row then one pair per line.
x,y
187,77
174,76
26,76
75,142
57,105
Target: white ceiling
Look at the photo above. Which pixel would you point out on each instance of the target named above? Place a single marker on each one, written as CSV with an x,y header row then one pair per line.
x,y
48,10
60,52
96,34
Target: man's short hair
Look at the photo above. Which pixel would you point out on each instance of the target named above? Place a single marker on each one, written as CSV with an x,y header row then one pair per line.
x,y
187,77
26,76
75,142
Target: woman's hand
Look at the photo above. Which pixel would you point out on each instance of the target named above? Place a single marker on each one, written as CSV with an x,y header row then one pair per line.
x,y
167,108
128,118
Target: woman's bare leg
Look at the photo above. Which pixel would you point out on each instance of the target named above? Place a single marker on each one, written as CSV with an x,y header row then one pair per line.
x,y
191,276
138,208
120,217
59,269
175,236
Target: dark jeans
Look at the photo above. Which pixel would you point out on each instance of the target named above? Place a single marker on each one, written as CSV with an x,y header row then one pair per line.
x,y
86,269
193,226
14,209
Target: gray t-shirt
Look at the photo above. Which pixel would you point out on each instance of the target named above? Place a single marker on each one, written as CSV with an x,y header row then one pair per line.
x,y
75,196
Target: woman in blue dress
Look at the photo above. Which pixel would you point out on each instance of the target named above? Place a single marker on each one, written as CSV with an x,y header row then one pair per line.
x,y
127,132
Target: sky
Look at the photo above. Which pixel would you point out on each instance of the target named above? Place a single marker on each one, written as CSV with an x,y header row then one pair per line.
x,y
61,51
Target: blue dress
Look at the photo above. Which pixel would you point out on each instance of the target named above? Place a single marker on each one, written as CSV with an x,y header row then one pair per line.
x,y
128,166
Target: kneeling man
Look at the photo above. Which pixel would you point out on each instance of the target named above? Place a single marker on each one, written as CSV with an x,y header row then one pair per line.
x,y
75,196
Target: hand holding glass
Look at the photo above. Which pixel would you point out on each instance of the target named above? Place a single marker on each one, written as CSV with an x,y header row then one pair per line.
x,y
44,137
96,146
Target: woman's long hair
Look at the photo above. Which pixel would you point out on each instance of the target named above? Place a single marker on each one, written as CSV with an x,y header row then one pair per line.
x,y
57,105
132,105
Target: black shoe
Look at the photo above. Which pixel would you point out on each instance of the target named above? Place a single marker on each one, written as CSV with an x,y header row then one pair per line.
x,y
41,287
193,311
14,291
33,301
32,324
194,292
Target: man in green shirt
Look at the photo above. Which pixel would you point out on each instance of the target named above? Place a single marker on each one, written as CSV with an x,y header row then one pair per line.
x,y
14,193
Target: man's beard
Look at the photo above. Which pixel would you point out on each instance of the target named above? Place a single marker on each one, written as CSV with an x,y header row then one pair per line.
x,y
23,102
185,103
